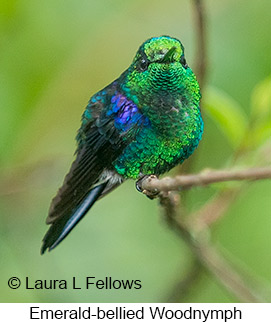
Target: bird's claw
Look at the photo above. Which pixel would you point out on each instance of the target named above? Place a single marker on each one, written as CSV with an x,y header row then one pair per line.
x,y
150,194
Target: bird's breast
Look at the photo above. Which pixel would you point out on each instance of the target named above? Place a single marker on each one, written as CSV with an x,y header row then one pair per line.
x,y
170,137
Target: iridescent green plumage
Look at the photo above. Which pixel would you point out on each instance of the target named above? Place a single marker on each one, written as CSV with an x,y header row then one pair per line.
x,y
145,122
168,94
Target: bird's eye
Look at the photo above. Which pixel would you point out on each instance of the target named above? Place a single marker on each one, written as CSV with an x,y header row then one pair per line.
x,y
143,65
183,62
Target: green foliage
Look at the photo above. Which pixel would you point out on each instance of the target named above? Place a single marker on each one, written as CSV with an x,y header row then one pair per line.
x,y
227,114
260,130
261,100
233,122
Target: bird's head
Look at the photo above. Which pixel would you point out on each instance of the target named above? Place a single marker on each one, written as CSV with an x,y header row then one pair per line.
x,y
160,67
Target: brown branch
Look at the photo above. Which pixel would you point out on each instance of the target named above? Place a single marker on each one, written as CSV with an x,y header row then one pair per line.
x,y
194,229
217,265
207,254
213,210
200,64
201,57
152,185
184,286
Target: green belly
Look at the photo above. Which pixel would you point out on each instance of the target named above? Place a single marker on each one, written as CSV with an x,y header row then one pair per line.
x,y
150,153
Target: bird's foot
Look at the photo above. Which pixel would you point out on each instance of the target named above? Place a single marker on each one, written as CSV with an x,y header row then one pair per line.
x,y
150,194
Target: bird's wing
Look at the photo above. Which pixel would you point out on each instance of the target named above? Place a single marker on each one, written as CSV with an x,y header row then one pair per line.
x,y
96,154
100,142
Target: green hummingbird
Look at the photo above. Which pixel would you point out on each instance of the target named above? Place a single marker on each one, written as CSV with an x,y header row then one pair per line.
x,y
145,122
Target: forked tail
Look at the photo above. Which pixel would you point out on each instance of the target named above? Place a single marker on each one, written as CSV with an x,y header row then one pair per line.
x,y
61,227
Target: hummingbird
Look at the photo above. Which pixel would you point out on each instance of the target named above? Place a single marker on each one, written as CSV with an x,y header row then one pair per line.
x,y
144,123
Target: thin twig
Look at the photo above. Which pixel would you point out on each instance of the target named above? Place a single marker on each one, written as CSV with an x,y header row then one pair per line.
x,y
225,273
182,288
200,64
201,57
152,184
207,254
213,210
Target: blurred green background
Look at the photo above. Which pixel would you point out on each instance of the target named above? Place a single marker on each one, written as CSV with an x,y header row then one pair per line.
x,y
53,56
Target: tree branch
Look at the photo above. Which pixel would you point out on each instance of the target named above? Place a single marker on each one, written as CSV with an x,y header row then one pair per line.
x,y
206,253
201,57
184,286
213,210
195,230
152,185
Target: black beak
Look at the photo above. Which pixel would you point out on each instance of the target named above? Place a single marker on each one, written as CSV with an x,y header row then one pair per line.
x,y
169,56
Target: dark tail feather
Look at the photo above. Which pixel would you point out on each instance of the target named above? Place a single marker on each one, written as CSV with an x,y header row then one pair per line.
x,y
63,226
